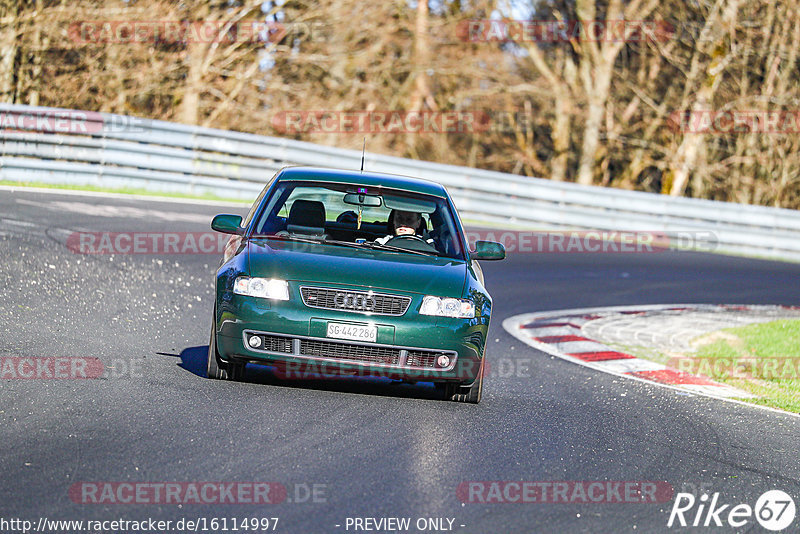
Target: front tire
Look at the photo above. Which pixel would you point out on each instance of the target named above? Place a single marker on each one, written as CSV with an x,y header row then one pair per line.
x,y
218,370
469,394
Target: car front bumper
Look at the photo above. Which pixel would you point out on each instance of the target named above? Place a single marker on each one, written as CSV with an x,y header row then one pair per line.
x,y
294,338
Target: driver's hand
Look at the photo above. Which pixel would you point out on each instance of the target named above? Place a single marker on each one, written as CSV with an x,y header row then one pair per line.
x,y
404,230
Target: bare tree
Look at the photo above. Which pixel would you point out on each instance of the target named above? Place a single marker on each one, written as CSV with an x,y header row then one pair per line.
x,y
719,25
9,11
576,109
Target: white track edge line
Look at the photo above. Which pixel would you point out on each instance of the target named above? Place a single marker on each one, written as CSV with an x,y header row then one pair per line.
x,y
109,194
511,325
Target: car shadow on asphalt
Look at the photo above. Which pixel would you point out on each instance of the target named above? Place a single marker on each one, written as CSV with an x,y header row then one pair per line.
x,y
193,359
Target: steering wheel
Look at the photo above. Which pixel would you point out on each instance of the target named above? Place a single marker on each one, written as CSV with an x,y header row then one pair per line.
x,y
413,242
408,236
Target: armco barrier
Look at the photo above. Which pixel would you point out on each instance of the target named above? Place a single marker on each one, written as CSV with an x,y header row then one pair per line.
x,y
120,151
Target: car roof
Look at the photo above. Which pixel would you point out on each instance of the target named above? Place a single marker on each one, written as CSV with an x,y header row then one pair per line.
x,y
365,178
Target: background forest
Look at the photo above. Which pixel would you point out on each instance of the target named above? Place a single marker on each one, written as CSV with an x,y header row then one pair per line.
x,y
645,107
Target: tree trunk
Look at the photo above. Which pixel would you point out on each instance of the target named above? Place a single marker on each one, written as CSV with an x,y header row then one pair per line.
x,y
190,104
597,68
421,92
9,9
196,50
693,143
596,108
561,129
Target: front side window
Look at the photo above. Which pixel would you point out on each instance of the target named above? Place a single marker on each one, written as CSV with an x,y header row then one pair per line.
x,y
369,217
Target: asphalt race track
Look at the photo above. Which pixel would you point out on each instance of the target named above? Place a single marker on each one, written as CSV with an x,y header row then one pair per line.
x,y
372,448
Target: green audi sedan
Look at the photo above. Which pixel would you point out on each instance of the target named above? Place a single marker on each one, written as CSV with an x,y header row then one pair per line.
x,y
348,273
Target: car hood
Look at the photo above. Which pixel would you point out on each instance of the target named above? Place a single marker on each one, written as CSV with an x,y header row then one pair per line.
x,y
330,264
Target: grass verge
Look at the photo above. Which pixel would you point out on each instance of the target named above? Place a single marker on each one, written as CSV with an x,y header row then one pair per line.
x,y
762,359
123,191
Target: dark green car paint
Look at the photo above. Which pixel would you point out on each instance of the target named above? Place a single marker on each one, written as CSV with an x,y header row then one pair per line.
x,y
338,267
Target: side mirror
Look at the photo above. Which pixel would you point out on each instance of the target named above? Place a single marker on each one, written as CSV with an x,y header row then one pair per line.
x,y
488,250
228,224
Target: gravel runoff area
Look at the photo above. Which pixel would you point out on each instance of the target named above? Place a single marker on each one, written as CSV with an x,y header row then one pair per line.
x,y
672,330
667,344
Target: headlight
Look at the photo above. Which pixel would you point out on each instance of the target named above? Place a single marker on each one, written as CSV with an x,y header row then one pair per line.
x,y
264,288
447,307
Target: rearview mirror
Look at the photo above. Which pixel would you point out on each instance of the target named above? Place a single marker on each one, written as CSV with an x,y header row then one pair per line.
x,y
488,250
362,199
228,224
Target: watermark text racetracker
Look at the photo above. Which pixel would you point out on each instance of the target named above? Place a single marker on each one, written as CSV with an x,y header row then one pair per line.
x,y
735,121
50,368
563,31
131,32
564,491
147,242
560,241
596,241
73,368
500,367
69,122
175,31
199,492
381,121
766,368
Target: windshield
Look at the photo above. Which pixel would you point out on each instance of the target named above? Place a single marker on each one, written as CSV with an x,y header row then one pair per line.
x,y
368,217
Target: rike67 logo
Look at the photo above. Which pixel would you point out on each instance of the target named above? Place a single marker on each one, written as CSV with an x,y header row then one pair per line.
x,y
774,510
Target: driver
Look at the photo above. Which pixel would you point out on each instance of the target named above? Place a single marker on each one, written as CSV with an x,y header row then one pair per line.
x,y
404,223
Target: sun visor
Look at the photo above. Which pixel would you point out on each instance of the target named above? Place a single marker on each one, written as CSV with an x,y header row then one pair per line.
x,y
408,204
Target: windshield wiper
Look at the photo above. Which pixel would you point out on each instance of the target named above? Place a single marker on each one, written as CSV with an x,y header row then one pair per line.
x,y
315,241
368,244
378,246
373,246
343,243
289,238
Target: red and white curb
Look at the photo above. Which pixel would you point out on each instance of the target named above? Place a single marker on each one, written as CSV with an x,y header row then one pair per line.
x,y
561,333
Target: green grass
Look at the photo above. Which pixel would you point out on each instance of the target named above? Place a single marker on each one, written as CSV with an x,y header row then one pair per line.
x,y
762,359
124,191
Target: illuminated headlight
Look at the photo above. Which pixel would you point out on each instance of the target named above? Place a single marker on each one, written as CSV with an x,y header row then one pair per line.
x,y
447,307
264,288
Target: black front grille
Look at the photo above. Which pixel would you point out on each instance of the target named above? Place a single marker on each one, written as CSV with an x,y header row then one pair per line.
x,y
365,353
270,343
277,344
347,351
420,358
357,301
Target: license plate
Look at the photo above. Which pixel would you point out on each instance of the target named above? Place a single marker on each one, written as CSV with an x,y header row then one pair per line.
x,y
353,332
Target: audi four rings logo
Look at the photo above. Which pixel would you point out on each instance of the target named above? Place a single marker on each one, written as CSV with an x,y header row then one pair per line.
x,y
353,301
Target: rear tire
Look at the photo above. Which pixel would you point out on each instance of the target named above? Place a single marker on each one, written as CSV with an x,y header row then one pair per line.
x,y
469,394
218,370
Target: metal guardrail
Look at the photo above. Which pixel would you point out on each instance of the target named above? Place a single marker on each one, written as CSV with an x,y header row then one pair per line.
x,y
108,150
